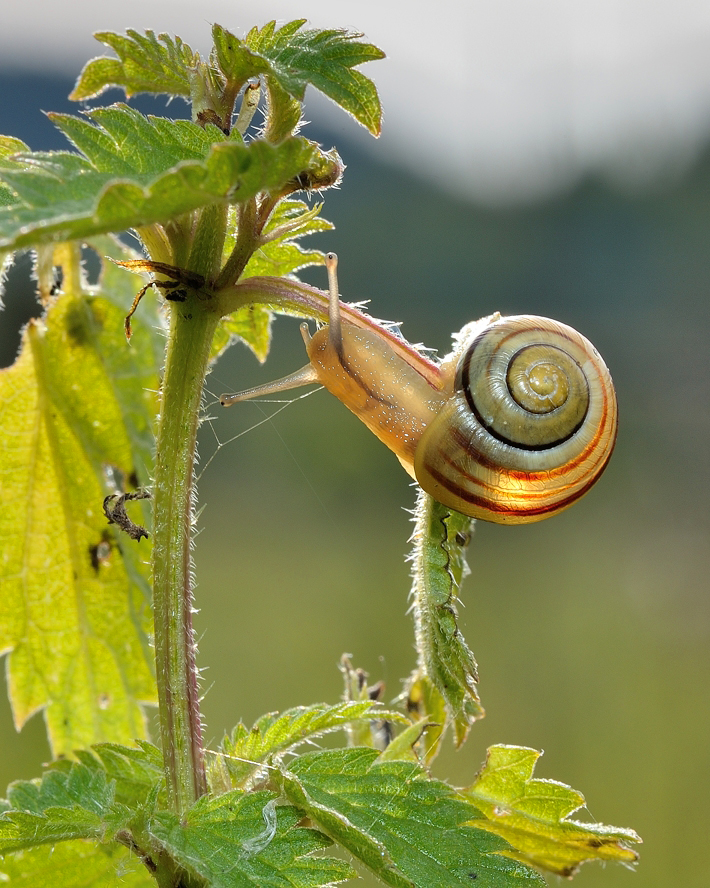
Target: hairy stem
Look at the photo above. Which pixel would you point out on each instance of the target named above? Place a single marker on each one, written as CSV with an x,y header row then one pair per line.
x,y
191,329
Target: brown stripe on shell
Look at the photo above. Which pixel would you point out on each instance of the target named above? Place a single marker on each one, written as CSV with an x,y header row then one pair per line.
x,y
524,502
499,507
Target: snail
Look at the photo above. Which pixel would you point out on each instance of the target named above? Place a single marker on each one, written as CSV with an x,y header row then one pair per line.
x,y
516,424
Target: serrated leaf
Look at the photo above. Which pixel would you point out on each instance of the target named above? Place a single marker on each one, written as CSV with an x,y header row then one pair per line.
x,y
409,829
146,63
75,864
135,171
279,255
276,734
74,610
251,324
76,802
135,771
8,147
242,840
293,58
533,815
326,59
236,61
438,567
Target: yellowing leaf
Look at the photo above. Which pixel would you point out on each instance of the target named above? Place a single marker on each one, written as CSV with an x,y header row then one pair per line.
x,y
75,413
77,864
532,815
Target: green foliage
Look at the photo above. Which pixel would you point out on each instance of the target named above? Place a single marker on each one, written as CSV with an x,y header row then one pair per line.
x,y
446,667
145,63
406,827
324,58
241,840
134,171
73,803
276,734
278,254
533,815
73,596
9,146
136,772
289,59
235,839
78,864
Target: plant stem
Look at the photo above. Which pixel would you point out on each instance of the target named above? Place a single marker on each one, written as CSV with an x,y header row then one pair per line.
x,y
192,326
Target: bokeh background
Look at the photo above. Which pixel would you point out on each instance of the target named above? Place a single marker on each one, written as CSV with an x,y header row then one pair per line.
x,y
550,159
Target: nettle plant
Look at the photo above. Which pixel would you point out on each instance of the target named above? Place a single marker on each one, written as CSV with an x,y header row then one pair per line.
x,y
95,428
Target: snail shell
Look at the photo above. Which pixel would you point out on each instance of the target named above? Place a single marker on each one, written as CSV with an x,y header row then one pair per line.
x,y
528,427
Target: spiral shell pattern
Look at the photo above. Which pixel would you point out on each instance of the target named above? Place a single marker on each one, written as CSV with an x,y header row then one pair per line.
x,y
529,428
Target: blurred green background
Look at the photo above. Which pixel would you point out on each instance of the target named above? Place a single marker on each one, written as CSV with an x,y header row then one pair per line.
x,y
591,630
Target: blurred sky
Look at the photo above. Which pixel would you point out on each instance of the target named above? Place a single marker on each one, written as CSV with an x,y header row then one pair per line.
x,y
527,95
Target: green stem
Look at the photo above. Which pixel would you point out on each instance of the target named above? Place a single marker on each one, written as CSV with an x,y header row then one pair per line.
x,y
192,326
243,248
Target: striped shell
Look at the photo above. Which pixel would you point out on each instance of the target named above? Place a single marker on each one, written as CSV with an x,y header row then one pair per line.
x,y
529,427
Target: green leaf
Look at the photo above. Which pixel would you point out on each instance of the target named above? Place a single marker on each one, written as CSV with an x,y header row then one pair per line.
x,y
408,829
75,864
292,58
74,595
276,734
239,841
135,771
145,63
251,324
135,171
278,255
444,659
66,803
236,61
8,147
533,815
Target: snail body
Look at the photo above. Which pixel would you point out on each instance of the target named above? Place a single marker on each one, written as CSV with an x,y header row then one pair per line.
x,y
516,424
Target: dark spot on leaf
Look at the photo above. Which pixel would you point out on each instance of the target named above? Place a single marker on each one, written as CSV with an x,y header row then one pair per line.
x,y
104,701
133,479
595,843
473,876
98,312
75,323
100,554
